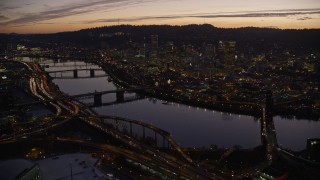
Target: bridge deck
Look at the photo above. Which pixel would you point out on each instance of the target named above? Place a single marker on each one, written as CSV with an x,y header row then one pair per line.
x,y
71,70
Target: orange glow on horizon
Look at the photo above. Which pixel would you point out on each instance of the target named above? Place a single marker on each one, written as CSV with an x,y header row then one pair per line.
x,y
220,23
59,16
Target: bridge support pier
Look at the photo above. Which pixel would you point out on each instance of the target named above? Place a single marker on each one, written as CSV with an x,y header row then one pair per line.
x,y
91,72
155,139
263,133
75,73
120,96
163,142
269,103
97,99
144,132
117,125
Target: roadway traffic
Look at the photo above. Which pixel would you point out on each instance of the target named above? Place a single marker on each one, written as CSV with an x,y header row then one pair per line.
x,y
65,110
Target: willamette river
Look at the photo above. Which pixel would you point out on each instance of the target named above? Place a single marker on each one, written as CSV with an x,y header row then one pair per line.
x,y
190,126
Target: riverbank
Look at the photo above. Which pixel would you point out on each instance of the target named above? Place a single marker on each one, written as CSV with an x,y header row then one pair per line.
x,y
243,108
156,92
125,81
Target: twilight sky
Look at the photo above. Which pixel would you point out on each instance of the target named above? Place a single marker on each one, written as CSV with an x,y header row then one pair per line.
x,y
46,16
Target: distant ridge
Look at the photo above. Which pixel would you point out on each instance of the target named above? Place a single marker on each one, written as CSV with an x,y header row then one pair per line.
x,y
189,34
196,34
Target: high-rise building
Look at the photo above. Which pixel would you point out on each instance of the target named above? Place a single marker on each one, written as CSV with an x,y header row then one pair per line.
x,y
313,149
169,47
318,75
227,52
154,47
11,47
209,51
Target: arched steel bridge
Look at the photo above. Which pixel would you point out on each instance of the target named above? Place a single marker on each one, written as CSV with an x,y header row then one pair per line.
x,y
99,120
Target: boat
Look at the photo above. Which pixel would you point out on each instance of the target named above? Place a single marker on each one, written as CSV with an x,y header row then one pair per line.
x,y
166,103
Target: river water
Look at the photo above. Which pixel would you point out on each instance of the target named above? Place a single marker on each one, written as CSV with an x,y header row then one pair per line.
x,y
189,126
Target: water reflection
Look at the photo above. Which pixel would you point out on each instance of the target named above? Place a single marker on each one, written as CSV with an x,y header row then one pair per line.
x,y
191,127
293,133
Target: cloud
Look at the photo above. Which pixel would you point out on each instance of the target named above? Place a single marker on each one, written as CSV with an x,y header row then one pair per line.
x,y
261,14
32,24
12,7
239,14
85,6
304,18
70,10
3,18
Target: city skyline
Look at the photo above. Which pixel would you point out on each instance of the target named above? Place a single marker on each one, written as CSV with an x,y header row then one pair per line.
x,y
158,101
32,16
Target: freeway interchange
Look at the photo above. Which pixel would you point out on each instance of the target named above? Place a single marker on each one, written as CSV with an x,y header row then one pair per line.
x,y
178,166
174,165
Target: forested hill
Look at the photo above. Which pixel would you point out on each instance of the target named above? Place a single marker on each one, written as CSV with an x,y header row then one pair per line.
x,y
206,32
193,34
